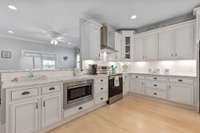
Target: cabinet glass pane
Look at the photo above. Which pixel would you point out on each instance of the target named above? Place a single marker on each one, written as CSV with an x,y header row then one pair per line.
x,y
127,47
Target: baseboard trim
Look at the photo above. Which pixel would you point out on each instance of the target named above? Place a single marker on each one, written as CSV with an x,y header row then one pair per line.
x,y
189,107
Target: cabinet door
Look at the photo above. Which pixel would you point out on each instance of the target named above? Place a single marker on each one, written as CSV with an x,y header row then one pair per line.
x,y
126,84
90,40
150,46
185,42
24,116
51,110
167,44
127,45
198,25
118,46
181,94
137,86
138,49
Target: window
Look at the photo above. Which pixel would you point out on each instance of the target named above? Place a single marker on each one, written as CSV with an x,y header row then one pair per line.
x,y
38,60
48,64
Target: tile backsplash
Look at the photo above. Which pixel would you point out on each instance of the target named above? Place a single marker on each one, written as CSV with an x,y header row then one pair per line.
x,y
179,67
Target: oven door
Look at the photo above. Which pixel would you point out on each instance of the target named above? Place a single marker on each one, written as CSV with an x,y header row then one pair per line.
x,y
76,93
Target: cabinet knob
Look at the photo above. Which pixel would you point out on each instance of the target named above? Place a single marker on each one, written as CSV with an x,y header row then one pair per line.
x,y
155,85
101,80
155,78
155,93
52,88
25,93
36,105
180,80
101,98
80,108
101,88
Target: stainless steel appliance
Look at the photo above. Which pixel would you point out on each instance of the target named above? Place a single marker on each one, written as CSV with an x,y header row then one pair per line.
x,y
92,69
115,89
76,93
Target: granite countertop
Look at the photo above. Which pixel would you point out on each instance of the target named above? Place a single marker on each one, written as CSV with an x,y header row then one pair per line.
x,y
10,84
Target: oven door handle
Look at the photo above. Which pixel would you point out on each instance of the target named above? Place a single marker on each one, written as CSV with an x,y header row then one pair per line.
x,y
77,86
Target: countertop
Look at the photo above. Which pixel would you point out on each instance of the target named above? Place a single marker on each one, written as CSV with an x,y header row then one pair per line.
x,y
10,84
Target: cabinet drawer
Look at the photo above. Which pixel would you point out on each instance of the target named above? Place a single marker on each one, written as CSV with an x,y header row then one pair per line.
x,y
50,89
181,80
24,94
100,88
156,78
137,77
156,93
156,85
101,80
101,98
78,109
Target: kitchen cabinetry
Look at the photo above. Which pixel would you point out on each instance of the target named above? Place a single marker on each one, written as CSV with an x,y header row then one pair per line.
x,y
116,56
136,84
127,45
24,116
146,47
31,110
177,42
51,110
175,89
126,84
90,39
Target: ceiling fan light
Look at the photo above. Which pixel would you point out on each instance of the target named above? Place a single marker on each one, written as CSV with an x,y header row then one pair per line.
x,y
54,42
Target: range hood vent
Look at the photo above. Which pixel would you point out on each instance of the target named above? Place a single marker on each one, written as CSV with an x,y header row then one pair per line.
x,y
106,36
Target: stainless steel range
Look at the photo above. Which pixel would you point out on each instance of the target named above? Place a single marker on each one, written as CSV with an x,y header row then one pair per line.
x,y
77,92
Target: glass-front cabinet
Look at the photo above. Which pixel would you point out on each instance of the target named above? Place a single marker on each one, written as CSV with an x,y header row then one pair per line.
x,y
127,45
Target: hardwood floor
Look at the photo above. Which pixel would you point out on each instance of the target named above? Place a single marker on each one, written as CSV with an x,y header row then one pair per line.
x,y
135,115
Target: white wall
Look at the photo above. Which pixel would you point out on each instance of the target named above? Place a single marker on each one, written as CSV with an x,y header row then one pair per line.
x,y
16,46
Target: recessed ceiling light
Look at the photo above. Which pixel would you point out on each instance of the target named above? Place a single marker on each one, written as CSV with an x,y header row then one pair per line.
x,y
133,17
11,32
12,7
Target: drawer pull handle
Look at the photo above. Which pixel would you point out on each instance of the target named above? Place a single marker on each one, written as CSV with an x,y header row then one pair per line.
x,y
155,78
180,80
36,106
101,80
155,85
155,94
101,88
101,98
80,108
52,88
26,93
136,76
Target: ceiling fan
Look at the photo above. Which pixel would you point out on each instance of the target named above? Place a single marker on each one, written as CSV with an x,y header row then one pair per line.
x,y
56,37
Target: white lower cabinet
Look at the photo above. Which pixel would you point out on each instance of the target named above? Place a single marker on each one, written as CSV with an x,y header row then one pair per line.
x,y
30,111
175,89
181,93
126,84
51,110
136,84
24,116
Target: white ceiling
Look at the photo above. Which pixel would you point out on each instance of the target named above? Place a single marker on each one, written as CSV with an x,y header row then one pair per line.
x,y
34,16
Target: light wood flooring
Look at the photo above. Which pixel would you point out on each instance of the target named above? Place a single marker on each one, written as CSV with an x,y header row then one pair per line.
x,y
135,114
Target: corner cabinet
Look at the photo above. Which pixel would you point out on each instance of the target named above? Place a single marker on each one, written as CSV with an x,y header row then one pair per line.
x,y
145,47
90,39
127,45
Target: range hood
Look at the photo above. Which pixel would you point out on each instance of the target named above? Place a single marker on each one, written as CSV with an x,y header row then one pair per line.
x,y
107,39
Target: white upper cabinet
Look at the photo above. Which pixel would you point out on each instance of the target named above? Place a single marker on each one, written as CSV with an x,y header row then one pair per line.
x,y
197,13
90,39
177,42
127,45
151,46
138,49
166,44
145,47
185,42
